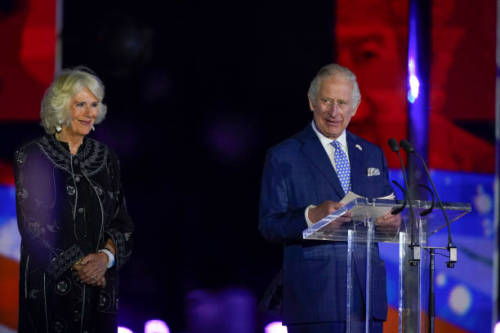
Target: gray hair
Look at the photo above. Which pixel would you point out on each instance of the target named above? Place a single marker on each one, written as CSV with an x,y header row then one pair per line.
x,y
331,71
55,110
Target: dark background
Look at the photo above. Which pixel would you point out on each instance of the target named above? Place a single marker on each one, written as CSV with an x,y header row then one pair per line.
x,y
197,91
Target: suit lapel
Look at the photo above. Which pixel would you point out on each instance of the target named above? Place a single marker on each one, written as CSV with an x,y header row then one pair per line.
x,y
356,161
315,152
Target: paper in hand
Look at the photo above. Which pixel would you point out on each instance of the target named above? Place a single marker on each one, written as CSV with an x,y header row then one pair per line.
x,y
361,212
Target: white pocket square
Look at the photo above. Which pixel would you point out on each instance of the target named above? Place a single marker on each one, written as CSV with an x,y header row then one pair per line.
x,y
373,172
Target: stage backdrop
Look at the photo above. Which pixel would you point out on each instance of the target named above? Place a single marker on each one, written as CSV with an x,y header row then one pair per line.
x,y
372,40
27,60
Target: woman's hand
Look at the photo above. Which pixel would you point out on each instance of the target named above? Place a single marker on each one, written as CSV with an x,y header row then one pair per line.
x,y
91,269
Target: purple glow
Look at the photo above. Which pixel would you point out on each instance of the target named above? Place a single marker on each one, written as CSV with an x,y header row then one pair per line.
x,y
223,311
231,137
497,328
413,81
277,327
417,89
156,326
124,330
413,52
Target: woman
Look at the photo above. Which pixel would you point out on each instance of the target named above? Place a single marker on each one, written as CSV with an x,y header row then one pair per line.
x,y
75,229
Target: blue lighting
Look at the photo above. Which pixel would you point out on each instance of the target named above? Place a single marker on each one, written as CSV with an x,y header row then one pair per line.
x,y
417,76
463,294
413,81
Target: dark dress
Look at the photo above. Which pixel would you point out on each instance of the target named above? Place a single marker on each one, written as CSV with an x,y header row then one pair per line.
x,y
67,207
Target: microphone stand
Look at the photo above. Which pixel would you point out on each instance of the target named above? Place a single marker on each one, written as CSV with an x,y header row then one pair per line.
x,y
414,244
432,269
397,210
452,250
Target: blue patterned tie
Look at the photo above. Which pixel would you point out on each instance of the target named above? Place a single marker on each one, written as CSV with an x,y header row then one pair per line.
x,y
342,165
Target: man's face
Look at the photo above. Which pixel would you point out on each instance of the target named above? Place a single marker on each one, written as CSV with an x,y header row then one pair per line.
x,y
333,107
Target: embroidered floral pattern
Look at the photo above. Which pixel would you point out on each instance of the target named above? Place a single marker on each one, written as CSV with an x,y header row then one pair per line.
x,y
92,156
20,156
122,255
50,191
64,261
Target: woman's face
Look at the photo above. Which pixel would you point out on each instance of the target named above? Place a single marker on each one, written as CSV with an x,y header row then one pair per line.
x,y
84,109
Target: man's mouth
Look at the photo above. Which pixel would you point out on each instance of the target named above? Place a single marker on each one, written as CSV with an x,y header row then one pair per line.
x,y
332,122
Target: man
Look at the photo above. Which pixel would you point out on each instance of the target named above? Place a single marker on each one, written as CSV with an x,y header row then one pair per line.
x,y
305,177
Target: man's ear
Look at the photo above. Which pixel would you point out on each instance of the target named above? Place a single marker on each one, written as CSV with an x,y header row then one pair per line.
x,y
311,104
354,111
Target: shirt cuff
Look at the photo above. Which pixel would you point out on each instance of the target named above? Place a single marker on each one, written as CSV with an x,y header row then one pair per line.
x,y
306,213
111,257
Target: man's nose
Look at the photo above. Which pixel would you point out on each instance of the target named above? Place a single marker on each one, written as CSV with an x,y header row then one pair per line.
x,y
334,109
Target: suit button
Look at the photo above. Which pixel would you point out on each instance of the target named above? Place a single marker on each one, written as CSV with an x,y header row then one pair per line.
x,y
70,189
76,316
59,327
75,161
80,210
77,179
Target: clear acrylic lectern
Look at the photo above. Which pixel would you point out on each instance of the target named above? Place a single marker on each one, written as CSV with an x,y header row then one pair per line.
x,y
356,222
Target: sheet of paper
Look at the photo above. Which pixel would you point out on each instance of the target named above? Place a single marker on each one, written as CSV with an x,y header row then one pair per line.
x,y
350,197
359,213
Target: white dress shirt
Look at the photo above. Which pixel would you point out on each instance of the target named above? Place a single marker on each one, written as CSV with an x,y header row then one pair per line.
x,y
330,152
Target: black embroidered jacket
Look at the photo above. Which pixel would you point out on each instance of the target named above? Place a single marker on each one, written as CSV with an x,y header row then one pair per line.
x,y
67,207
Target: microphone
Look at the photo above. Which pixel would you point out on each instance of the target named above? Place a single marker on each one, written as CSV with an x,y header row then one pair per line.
x,y
409,148
452,249
393,143
431,208
396,211
395,148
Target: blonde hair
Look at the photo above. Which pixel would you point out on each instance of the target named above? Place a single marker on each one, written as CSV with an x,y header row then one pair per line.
x,y
55,102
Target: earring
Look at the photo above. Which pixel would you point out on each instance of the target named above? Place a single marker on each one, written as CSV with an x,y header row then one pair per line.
x,y
93,128
58,129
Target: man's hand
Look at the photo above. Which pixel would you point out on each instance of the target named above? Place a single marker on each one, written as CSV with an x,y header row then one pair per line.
x,y
325,208
91,269
388,222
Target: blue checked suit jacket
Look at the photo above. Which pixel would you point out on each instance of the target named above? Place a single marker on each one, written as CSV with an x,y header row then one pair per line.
x,y
298,173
